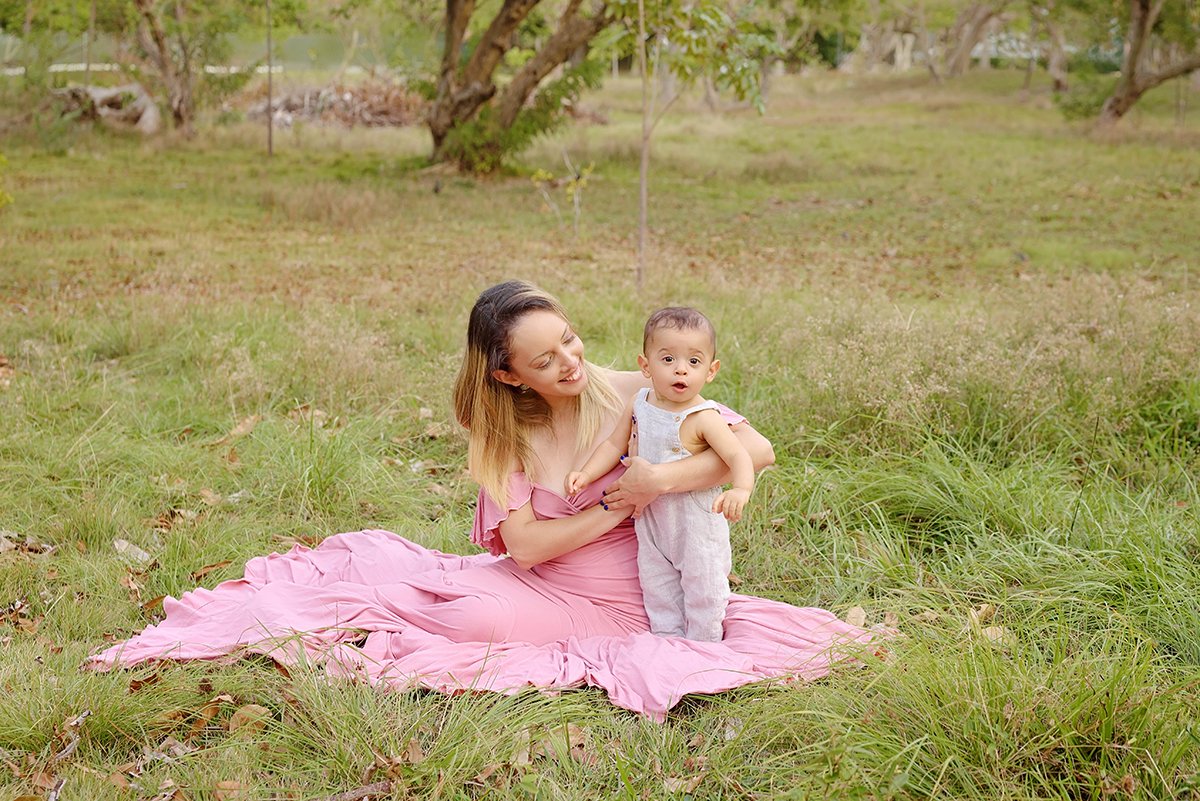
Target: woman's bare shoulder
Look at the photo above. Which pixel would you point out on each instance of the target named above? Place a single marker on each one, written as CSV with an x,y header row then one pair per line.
x,y
626,382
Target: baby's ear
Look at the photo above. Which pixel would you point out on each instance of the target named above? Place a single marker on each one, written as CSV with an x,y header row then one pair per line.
x,y
644,364
712,370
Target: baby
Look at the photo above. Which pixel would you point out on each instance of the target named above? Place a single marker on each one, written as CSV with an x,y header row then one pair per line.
x,y
683,540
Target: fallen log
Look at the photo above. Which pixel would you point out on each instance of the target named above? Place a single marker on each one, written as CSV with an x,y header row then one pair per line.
x,y
123,108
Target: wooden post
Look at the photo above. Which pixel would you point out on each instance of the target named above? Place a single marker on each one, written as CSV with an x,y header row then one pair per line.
x,y
270,89
644,166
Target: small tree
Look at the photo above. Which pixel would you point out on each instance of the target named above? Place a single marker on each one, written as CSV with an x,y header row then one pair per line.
x,y
172,41
1161,43
690,41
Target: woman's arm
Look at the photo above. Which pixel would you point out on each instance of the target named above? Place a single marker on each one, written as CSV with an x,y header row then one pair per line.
x,y
642,481
531,541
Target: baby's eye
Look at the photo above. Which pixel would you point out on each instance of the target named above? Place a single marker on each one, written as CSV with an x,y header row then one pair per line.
x,y
694,361
668,359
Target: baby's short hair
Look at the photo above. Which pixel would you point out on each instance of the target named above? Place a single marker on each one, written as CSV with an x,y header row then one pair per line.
x,y
679,318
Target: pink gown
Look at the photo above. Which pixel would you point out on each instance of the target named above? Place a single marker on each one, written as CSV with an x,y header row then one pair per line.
x,y
375,606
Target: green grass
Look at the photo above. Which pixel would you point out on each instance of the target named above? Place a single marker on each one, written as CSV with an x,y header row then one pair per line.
x,y
970,328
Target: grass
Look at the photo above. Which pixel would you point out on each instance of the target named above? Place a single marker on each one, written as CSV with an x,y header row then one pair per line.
x,y
970,328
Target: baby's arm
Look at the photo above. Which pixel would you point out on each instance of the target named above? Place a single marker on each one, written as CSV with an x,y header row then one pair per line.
x,y
718,436
606,456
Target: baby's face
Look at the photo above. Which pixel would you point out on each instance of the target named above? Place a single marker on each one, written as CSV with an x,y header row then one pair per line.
x,y
678,363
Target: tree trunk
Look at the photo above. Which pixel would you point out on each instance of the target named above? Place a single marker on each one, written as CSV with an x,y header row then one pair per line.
x,y
1056,59
1135,78
967,32
183,104
904,49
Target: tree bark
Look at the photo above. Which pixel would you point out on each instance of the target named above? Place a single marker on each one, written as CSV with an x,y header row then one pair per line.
x,y
1135,79
442,112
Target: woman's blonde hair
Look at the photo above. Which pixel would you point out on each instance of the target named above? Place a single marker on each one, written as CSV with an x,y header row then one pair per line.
x,y
500,417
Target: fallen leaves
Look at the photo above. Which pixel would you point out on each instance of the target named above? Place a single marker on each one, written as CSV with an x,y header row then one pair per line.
x,y
132,554
249,719
17,615
204,571
7,371
237,432
12,542
856,616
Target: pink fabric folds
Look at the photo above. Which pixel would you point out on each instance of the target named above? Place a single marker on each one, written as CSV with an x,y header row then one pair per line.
x,y
374,606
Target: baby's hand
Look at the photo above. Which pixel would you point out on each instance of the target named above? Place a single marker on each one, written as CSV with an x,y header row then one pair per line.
x,y
576,482
731,502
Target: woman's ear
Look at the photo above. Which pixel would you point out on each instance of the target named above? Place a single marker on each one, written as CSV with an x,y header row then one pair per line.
x,y
505,377
644,363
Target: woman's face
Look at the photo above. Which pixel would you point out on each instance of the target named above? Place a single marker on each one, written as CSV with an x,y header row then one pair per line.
x,y
547,357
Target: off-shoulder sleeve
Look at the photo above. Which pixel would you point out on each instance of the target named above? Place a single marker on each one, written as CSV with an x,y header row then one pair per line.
x,y
489,514
729,415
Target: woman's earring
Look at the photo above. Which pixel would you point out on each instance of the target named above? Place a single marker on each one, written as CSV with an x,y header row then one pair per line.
x,y
522,387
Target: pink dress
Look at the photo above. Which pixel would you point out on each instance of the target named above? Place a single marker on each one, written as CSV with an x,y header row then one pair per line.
x,y
375,606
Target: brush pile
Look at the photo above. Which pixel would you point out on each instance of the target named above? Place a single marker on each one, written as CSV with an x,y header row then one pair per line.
x,y
372,104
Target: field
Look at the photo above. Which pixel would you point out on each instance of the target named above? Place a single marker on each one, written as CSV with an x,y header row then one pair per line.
x,y
971,329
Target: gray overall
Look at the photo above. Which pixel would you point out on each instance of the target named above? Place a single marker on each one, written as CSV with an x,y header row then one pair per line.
x,y
683,546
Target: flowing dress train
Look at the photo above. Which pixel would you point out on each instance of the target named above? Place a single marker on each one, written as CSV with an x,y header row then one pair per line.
x,y
375,606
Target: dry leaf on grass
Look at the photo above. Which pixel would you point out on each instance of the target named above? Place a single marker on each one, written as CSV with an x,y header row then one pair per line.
x,y
11,541
240,430
132,553
856,616
204,571
306,414
230,791
981,614
206,713
209,497
249,719
7,371
682,784
997,634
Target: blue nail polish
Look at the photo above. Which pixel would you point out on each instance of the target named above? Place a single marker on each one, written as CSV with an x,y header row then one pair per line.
x,y
605,505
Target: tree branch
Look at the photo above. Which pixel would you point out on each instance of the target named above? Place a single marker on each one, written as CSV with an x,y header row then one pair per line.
x,y
1190,64
497,40
458,14
573,32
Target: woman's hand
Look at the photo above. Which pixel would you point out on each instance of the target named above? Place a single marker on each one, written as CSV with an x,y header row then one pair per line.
x,y
637,486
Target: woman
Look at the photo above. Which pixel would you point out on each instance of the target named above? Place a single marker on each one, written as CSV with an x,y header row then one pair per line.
x,y
563,608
